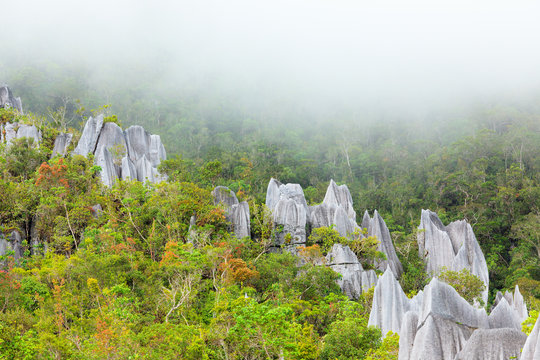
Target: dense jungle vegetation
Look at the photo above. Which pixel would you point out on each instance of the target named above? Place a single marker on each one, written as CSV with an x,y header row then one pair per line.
x,y
127,281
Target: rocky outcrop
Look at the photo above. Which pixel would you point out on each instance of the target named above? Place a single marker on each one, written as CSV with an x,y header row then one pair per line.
x,y
354,279
12,243
438,338
516,302
453,247
492,344
290,213
89,137
7,100
377,227
11,131
336,209
390,304
237,213
531,348
504,316
131,154
61,144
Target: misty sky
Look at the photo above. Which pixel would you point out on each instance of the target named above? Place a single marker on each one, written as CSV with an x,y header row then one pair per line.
x,y
379,52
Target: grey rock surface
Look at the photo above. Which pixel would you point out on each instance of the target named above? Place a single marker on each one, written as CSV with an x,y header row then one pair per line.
x,y
29,131
128,171
112,138
493,344
453,247
336,209
224,196
531,348
7,100
290,212
12,243
61,144
438,338
504,316
443,300
354,280
390,304
87,142
105,160
237,213
407,334
10,132
377,227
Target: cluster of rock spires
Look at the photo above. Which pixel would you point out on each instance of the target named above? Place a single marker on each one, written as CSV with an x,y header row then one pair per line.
x,y
7,100
452,247
438,323
131,154
237,213
294,219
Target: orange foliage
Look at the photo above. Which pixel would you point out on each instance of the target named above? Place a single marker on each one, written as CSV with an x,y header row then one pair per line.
x,y
237,270
169,254
52,176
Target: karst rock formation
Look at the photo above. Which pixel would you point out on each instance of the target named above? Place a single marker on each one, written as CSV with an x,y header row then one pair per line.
x,y
237,213
452,247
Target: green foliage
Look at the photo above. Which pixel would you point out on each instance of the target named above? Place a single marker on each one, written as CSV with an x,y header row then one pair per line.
x,y
468,285
388,350
528,325
350,339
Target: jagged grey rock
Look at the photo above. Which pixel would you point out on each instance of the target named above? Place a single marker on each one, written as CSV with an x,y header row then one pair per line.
x,y
18,131
290,212
531,348
377,227
112,138
129,172
237,213
438,338
354,280
493,344
138,142
10,132
105,160
145,171
87,142
29,131
340,195
453,247
12,243
156,151
443,300
407,334
224,195
61,144
7,100
504,316
336,209
390,303
519,305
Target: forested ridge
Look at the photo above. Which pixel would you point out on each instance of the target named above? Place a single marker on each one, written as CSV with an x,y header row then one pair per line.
x,y
135,280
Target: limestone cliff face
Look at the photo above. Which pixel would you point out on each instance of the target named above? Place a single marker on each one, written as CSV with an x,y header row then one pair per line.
x,y
237,213
130,154
377,227
453,247
354,279
7,100
290,213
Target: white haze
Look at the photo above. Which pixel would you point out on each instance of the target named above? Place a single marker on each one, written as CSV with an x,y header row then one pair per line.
x,y
400,54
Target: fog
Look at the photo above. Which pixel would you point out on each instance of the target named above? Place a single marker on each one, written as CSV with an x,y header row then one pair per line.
x,y
334,53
